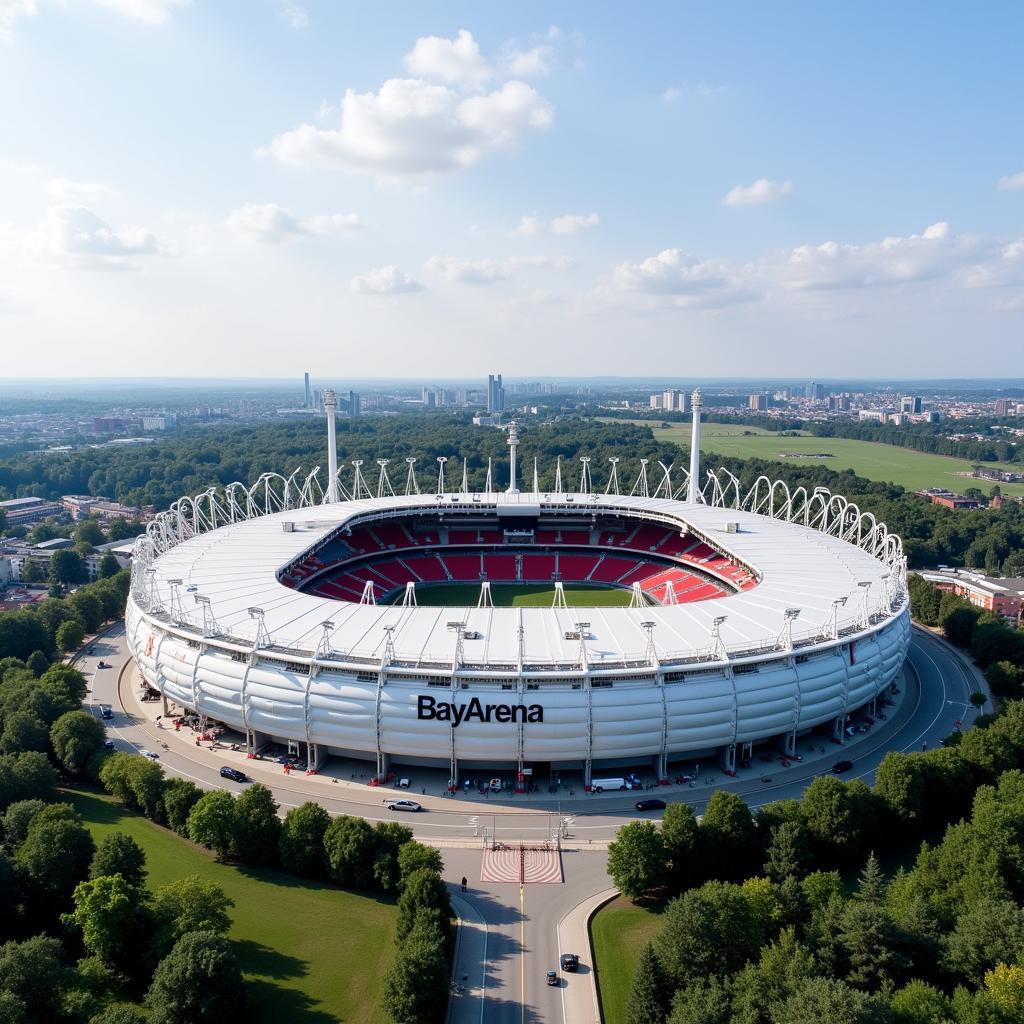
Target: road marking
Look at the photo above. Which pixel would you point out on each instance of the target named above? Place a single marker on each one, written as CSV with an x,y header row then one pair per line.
x,y
522,954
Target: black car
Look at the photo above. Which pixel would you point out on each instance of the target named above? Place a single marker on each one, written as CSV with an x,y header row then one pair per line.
x,y
650,805
841,766
552,977
570,961
234,774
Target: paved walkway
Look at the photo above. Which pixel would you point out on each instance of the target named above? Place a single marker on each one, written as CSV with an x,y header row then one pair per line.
x,y
579,990
469,965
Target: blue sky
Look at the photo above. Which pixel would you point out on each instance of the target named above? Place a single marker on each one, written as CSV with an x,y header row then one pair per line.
x,y
436,190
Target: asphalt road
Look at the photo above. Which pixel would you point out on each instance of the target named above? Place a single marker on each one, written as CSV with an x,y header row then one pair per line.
x,y
521,929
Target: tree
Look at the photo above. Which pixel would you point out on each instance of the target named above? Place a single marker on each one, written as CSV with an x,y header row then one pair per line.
x,y
198,981
190,904
24,730
110,913
77,737
109,566
211,823
37,663
680,838
32,572
114,776
118,1015
88,531
391,837
836,814
119,854
871,886
636,859
872,945
957,619
70,635
919,1003
301,844
650,995
67,567
55,856
900,786
416,984
783,967
826,999
179,797
1005,984
924,600
788,855
987,933
26,776
88,609
34,972
257,826
414,856
424,891
728,837
702,1001
146,784
350,846
17,819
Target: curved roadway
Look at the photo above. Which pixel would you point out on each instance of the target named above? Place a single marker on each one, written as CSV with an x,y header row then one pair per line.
x,y
510,939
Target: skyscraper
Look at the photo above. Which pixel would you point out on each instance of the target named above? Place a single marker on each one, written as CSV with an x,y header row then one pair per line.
x,y
308,396
910,404
353,403
495,394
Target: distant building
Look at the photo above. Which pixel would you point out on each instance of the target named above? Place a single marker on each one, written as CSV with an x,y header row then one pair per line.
x,y
429,398
685,402
308,395
838,403
82,505
1006,407
495,394
164,422
757,403
670,400
487,421
29,510
815,391
354,403
947,499
911,405
108,424
656,401
898,419
867,415
994,594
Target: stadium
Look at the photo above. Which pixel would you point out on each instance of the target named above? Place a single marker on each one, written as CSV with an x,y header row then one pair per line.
x,y
518,629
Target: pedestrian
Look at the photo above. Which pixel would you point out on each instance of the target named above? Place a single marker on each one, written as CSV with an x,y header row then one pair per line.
x,y
465,882
924,746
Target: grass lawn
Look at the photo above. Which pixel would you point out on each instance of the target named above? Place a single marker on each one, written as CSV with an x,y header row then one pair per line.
x,y
518,595
618,932
310,952
873,461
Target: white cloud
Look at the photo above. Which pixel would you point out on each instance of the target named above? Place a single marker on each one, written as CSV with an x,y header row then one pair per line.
x,y
75,236
10,12
411,129
761,191
1011,182
64,190
151,12
530,225
488,271
384,281
574,223
296,15
683,280
450,60
672,94
269,222
533,63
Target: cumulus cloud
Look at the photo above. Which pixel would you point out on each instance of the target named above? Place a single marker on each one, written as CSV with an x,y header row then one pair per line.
x,y
294,14
413,129
10,12
269,222
761,191
533,63
567,224
64,191
672,94
685,280
450,60
384,281
1011,182
152,12
75,236
488,271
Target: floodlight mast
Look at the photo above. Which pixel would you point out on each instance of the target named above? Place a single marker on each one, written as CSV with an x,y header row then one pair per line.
x,y
513,444
331,408
694,495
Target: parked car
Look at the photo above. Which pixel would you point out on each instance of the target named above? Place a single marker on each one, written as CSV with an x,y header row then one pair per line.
x,y
234,774
570,962
106,711
108,744
841,766
150,754
403,805
552,977
650,805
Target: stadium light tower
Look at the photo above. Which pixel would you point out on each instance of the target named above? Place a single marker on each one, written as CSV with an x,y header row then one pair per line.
x,y
513,444
694,494
331,408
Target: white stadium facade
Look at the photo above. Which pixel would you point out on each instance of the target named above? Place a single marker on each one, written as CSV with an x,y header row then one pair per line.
x,y
290,614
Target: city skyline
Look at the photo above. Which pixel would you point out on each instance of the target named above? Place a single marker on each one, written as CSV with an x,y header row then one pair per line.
x,y
667,190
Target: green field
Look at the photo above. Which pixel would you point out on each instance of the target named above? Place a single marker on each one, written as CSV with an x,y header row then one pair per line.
x,y
310,952
518,595
873,461
618,932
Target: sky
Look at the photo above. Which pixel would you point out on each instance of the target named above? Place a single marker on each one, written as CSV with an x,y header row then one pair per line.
x,y
261,187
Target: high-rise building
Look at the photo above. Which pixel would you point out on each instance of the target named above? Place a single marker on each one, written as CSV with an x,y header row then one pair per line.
x,y
838,403
910,404
815,391
758,403
429,398
655,401
495,394
670,400
685,402
1005,407
353,403
307,395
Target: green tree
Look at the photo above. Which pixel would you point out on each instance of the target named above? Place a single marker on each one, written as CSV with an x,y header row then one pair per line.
x,y
837,816
414,856
702,1001
900,785
424,892
110,912
32,572
37,663
119,854
650,995
24,730
391,837
872,944
118,1015
179,797
16,821
55,856
190,904
728,837
826,999
70,635
919,1003
301,844
88,609
925,600
109,566
67,567
26,776
35,974
350,846
636,859
988,932
1005,984
88,531
872,885
211,822
788,854
257,826
416,984
146,785
77,738
198,981
680,836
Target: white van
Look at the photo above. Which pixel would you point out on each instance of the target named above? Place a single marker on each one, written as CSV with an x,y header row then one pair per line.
x,y
600,785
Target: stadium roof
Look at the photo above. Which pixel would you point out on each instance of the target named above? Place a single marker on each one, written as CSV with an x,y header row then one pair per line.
x,y
800,568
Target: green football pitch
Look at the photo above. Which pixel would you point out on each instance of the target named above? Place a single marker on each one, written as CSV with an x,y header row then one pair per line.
x,y
518,595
